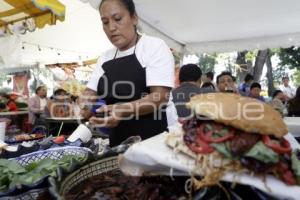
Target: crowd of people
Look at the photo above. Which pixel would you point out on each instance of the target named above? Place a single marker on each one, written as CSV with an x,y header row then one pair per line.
x,y
60,105
285,100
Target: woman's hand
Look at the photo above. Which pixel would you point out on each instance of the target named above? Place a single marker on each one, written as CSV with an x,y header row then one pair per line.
x,y
85,113
108,116
85,102
113,114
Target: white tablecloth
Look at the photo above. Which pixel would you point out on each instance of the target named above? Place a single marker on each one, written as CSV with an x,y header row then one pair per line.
x,y
14,113
153,155
293,124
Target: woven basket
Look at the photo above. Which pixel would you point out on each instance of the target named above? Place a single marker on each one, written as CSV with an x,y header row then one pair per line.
x,y
54,154
87,171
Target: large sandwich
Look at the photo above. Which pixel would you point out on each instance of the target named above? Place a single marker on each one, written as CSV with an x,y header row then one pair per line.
x,y
233,133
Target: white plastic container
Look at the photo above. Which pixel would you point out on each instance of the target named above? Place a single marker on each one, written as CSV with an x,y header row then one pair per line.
x,y
2,130
82,132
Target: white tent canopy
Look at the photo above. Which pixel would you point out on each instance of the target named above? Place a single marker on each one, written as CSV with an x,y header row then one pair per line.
x,y
78,38
220,26
189,25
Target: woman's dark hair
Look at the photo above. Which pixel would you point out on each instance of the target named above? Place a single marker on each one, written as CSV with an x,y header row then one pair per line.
x,y
255,85
248,78
60,92
276,92
208,85
74,98
38,89
210,75
128,4
224,73
285,78
189,72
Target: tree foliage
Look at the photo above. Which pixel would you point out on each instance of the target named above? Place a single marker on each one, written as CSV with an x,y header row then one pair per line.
x,y
207,62
296,77
2,78
290,57
177,56
251,55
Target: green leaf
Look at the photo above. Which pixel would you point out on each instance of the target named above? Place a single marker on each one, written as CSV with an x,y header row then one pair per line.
x,y
223,149
11,166
31,166
207,62
296,165
3,162
15,167
209,127
46,163
4,182
12,174
262,153
220,133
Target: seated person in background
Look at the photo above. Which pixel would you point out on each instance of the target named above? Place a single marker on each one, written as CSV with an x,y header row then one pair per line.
x,y
287,89
208,85
244,88
37,104
225,83
61,104
209,77
278,101
294,105
255,90
11,103
190,81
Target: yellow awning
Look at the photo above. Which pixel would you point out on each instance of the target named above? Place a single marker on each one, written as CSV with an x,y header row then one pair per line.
x,y
41,11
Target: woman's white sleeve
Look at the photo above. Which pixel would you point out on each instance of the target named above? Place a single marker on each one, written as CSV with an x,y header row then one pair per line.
x,y
160,69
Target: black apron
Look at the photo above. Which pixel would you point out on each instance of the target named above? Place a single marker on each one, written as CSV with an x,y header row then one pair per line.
x,y
128,72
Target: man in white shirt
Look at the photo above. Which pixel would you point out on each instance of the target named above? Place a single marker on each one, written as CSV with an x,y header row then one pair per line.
x,y
287,90
37,104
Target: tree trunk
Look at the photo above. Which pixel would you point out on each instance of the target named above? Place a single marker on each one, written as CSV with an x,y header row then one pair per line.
x,y
250,66
245,66
270,74
259,64
241,61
